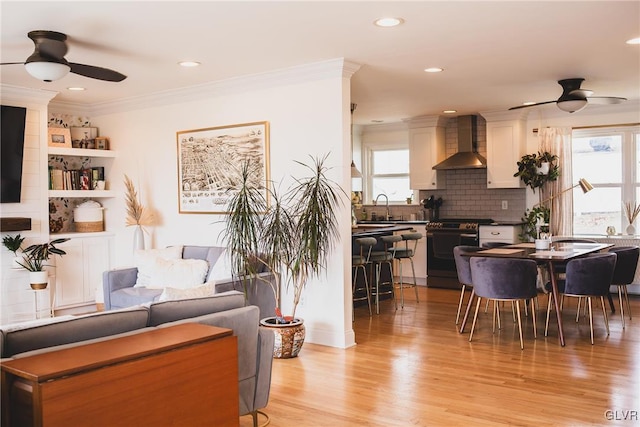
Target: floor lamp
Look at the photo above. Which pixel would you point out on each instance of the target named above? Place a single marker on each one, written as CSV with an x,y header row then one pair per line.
x,y
582,183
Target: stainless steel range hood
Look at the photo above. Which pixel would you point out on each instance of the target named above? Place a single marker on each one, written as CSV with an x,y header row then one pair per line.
x,y
467,156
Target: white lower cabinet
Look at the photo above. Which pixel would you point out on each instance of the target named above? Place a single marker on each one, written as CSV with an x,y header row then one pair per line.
x,y
78,274
500,233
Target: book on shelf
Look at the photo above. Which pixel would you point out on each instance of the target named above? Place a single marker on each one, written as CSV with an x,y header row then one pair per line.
x,y
84,179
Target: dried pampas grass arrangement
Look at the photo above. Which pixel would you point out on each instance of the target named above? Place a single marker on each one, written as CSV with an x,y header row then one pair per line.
x,y
136,213
631,211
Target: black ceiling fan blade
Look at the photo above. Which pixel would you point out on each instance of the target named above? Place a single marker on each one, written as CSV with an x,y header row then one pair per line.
x,y
98,73
12,63
605,100
532,105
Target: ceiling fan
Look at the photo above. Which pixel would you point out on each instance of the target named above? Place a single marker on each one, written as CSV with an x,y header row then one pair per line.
x,y
575,99
47,61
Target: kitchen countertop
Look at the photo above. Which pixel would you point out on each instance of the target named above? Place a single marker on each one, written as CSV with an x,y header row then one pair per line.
x,y
364,230
510,223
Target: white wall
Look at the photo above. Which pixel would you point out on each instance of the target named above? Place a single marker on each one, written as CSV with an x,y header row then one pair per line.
x,y
17,302
308,116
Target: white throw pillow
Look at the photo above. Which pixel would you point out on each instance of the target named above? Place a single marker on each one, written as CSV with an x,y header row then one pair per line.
x,y
206,290
178,273
144,260
221,270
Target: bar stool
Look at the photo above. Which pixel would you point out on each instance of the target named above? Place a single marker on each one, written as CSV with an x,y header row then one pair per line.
x,y
407,253
378,258
360,262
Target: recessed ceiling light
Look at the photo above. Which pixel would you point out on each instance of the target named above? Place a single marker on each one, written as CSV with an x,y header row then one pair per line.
x,y
634,41
434,70
450,111
388,22
76,88
189,63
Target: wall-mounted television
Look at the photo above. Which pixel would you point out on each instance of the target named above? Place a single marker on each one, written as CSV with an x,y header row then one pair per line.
x,y
12,124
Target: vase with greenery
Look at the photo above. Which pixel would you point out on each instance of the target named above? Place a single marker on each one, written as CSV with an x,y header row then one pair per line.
x,y
291,233
532,221
13,244
531,170
35,260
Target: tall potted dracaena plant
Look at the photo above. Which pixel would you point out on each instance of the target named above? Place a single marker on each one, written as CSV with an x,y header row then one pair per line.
x,y
291,233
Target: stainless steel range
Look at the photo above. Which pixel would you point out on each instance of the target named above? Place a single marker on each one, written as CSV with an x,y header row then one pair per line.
x,y
442,236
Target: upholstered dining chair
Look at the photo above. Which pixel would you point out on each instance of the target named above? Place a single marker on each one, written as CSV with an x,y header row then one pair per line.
x,y
588,277
463,269
406,253
625,271
360,262
504,279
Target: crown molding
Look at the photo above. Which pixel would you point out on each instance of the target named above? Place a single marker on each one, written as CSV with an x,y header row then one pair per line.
x,y
334,68
15,94
426,121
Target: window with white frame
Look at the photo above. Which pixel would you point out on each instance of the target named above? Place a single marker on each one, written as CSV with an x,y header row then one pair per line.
x,y
387,172
609,158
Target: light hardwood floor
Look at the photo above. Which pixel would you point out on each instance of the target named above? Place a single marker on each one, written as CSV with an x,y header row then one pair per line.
x,y
412,368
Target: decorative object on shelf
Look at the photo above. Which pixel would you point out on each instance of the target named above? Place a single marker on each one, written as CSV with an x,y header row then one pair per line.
x,y
631,212
293,236
59,137
207,157
35,258
136,214
611,230
102,143
535,170
88,217
84,137
13,244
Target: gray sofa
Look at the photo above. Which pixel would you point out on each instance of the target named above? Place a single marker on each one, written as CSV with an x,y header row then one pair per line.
x,y
119,291
227,310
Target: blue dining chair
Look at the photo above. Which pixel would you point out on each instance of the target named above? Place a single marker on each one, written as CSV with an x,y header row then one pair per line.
x,y
463,268
589,277
504,279
624,273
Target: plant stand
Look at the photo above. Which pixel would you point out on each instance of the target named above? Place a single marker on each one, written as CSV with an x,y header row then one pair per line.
x,y
289,337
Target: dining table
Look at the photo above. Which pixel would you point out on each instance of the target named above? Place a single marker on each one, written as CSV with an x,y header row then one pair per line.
x,y
557,253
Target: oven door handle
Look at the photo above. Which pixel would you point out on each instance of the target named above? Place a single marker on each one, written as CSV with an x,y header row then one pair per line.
x,y
472,236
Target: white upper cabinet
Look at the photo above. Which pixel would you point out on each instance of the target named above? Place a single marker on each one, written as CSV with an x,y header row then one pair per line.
x,y
506,143
426,149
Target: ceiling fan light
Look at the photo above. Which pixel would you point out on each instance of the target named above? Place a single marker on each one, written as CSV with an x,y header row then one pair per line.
x,y
572,105
47,71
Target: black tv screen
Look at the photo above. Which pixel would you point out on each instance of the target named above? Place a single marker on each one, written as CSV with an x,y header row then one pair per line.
x,y
12,144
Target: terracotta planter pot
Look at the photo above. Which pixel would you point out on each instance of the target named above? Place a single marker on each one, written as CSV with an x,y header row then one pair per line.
x,y
38,279
289,337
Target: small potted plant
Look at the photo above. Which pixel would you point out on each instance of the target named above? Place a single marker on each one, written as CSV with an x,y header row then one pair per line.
x,y
13,244
35,258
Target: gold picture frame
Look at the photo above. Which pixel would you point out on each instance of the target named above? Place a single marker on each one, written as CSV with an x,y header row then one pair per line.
x,y
59,137
208,160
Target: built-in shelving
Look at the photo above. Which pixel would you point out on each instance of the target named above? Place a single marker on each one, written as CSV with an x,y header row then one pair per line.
x,y
81,152
82,193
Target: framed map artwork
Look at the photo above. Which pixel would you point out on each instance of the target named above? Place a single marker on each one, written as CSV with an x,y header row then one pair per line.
x,y
209,160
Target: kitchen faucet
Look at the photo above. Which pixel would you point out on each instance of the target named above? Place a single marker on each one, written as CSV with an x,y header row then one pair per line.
x,y
387,217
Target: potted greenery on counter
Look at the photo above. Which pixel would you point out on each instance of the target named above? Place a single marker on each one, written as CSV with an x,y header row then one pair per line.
x,y
292,234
